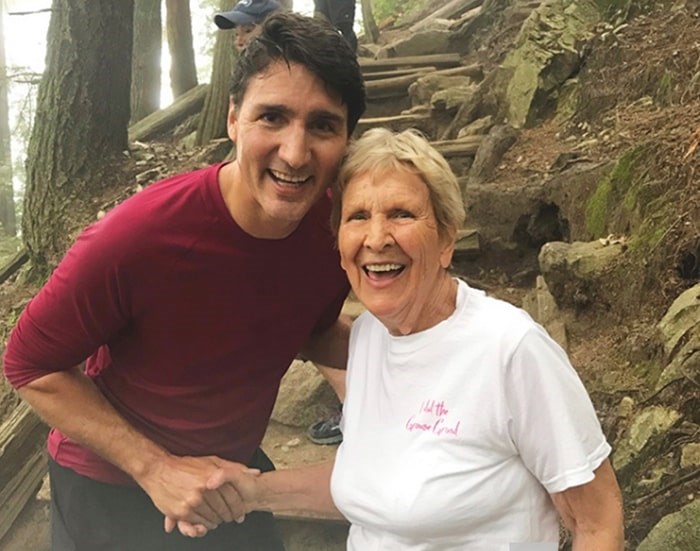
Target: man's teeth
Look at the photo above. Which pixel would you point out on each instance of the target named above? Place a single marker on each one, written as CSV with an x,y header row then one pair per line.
x,y
383,267
288,178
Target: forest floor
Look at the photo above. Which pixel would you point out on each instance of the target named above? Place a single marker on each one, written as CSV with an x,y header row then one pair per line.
x,y
641,87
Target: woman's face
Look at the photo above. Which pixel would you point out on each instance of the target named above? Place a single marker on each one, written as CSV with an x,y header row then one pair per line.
x,y
392,251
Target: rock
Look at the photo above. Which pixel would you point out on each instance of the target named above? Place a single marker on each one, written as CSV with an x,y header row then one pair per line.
x,y
690,455
499,140
680,334
646,427
304,396
679,531
423,89
452,98
420,43
548,52
477,128
571,269
540,304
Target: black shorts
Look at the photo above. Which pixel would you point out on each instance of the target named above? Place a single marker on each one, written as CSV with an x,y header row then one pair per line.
x,y
87,515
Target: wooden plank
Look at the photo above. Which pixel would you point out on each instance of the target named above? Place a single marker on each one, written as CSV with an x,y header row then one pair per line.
x,y
394,73
23,462
21,488
436,60
449,11
187,104
466,147
13,265
393,87
397,123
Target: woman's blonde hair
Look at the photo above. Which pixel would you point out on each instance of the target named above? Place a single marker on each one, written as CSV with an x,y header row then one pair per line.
x,y
379,150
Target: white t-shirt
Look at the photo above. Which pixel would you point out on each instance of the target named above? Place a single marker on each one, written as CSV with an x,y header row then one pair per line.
x,y
453,437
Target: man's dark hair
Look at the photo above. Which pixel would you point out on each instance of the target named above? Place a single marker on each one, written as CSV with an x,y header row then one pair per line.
x,y
313,43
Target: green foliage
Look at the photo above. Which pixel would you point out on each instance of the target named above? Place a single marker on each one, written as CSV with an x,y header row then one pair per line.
x,y
616,187
382,9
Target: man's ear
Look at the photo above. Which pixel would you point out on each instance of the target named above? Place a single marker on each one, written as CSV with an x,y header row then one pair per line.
x,y
232,121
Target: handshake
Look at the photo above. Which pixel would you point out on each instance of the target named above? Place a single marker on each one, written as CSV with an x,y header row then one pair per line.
x,y
231,493
197,494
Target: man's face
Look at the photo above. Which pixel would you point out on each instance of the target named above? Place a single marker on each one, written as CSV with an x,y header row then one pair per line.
x,y
245,33
290,134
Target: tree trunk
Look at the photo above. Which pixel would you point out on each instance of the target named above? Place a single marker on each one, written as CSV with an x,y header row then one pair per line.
x,y
8,223
146,68
81,117
212,122
370,26
183,71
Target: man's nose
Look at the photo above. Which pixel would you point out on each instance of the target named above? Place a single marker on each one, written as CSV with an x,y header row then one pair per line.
x,y
294,149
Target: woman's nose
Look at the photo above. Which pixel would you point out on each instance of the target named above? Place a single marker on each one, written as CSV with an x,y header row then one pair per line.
x,y
294,149
379,234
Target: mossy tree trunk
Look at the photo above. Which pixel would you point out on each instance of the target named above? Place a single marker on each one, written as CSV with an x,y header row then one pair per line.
x,y
81,117
146,67
183,71
8,224
212,122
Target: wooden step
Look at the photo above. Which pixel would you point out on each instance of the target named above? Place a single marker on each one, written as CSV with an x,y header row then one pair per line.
x,y
438,61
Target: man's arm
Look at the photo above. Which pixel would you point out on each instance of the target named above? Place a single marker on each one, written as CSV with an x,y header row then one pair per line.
x,y
593,512
330,347
69,401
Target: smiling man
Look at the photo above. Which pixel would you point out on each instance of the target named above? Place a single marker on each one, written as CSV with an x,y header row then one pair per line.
x,y
187,303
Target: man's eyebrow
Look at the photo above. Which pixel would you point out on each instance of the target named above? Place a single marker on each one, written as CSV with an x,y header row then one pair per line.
x,y
328,116
317,114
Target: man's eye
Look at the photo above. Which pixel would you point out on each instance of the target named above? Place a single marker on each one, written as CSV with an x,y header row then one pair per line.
x,y
270,117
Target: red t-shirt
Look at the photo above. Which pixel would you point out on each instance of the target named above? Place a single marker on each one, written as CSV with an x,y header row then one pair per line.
x,y
187,322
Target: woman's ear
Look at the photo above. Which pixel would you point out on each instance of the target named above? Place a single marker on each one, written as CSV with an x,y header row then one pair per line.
x,y
448,238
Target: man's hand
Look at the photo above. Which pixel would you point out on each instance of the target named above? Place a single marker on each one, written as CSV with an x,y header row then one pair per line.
x,y
178,488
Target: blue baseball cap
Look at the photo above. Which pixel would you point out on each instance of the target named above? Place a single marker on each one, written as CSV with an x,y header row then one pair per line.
x,y
246,12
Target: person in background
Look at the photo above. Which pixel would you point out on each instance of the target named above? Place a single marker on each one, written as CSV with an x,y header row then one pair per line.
x,y
465,426
246,18
182,304
341,14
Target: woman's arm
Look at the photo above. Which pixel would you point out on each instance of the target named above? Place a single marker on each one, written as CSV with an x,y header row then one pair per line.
x,y
304,489
593,512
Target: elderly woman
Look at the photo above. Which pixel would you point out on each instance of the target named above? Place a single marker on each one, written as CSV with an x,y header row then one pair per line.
x,y
466,427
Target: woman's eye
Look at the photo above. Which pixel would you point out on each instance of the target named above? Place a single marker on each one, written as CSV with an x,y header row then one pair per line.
x,y
357,216
403,214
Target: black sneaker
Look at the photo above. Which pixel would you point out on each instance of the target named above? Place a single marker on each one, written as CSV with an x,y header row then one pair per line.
x,y
326,431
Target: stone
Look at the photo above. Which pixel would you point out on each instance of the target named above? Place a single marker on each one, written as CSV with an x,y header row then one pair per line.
x,y
571,269
540,304
647,424
690,455
420,43
423,89
679,531
548,52
499,140
304,396
477,128
451,99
